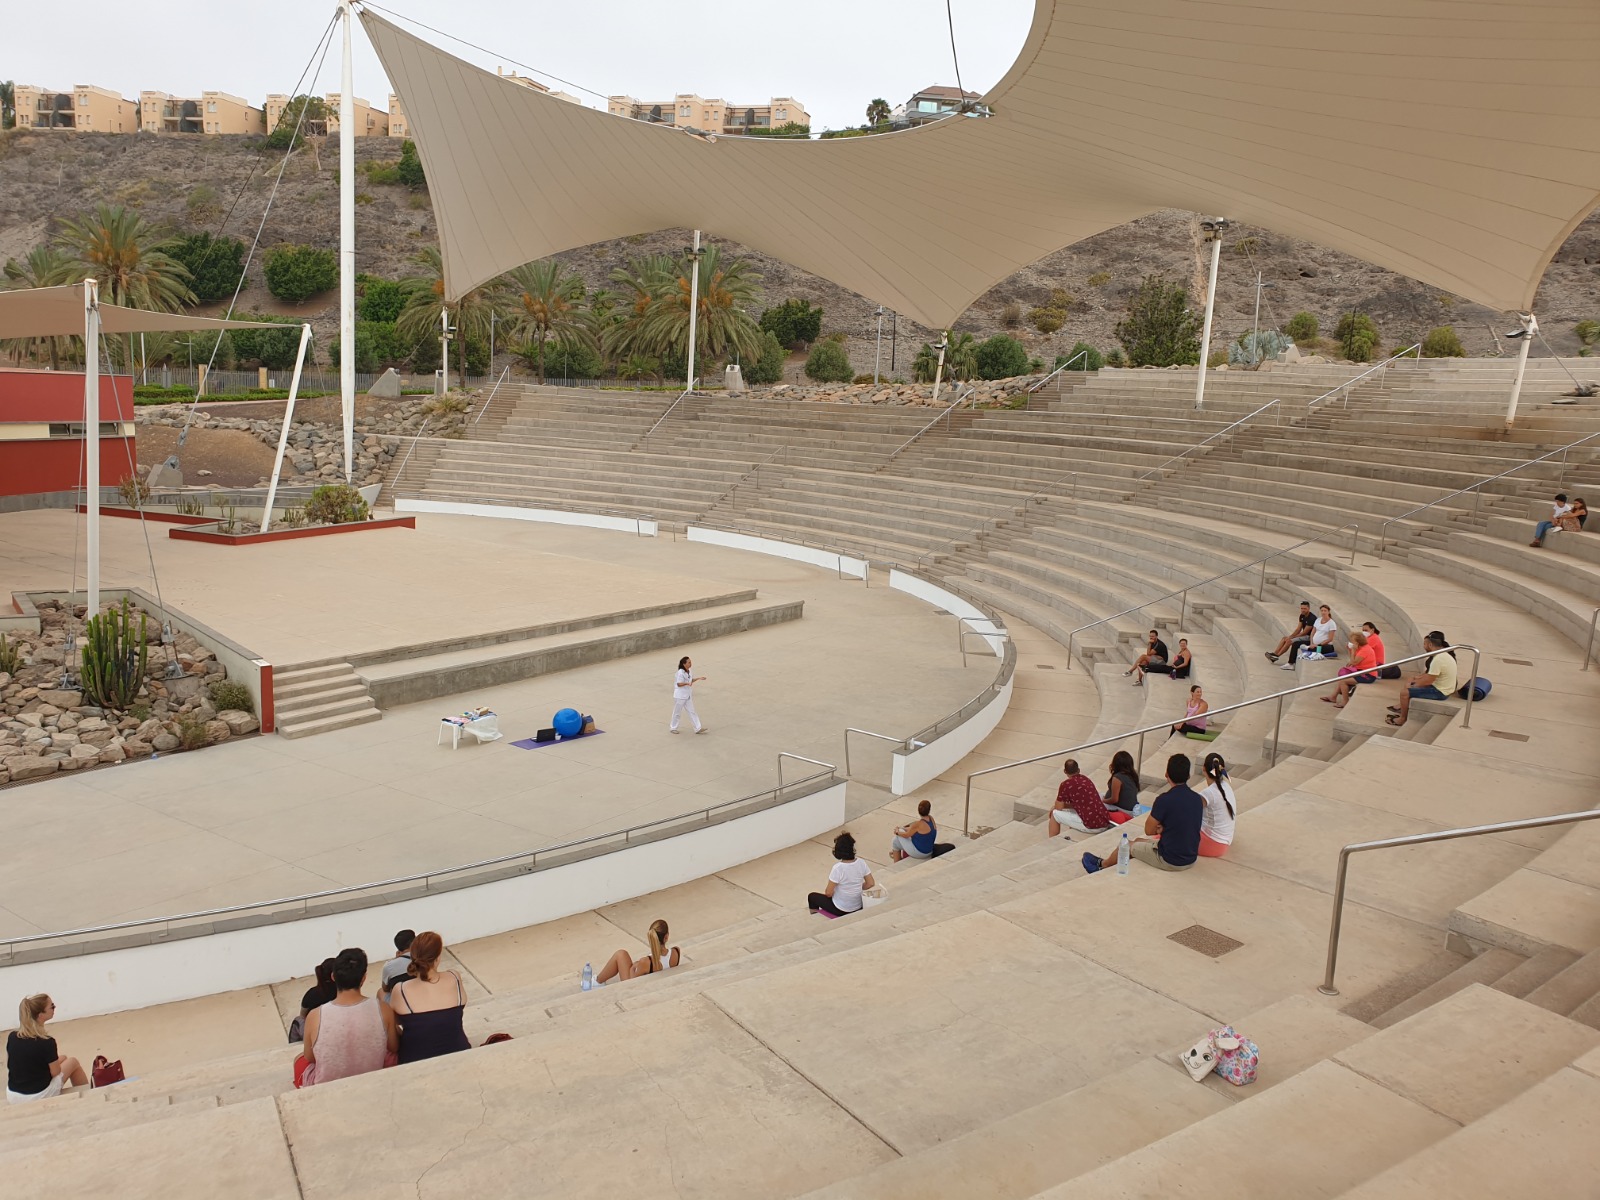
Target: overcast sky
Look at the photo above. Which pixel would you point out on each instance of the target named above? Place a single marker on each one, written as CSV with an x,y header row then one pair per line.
x,y
832,55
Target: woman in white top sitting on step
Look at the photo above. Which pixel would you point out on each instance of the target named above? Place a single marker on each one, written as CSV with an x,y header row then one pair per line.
x,y
848,879
1323,631
1222,808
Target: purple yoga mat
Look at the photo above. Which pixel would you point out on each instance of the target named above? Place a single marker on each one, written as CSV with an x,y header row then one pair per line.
x,y
531,744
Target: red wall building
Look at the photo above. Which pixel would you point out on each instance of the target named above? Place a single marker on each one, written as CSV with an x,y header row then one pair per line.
x,y
41,431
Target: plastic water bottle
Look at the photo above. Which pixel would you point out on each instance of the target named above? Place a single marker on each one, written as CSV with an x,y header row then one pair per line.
x,y
1123,851
588,977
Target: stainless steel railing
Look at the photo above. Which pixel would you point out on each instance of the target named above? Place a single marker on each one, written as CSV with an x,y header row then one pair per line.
x,y
944,414
731,494
1183,592
1223,432
1166,726
1066,366
665,415
490,400
1419,839
1383,533
1588,644
201,922
1408,352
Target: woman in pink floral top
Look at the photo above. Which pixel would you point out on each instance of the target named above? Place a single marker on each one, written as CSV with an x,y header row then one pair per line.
x,y
1078,804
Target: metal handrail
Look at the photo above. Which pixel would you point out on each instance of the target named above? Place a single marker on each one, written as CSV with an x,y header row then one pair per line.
x,y
425,877
665,415
755,469
1345,386
1383,533
1219,433
1588,646
1466,721
980,529
1066,366
962,634
943,413
929,733
504,372
1183,592
832,769
398,471
1417,839
903,743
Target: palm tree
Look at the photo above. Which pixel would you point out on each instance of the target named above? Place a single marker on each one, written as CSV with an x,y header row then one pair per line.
x,y
544,302
639,284
960,359
120,249
45,266
420,317
878,112
723,325
8,104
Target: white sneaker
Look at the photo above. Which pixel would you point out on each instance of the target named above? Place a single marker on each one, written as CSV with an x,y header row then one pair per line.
x,y
672,731
1285,666
702,729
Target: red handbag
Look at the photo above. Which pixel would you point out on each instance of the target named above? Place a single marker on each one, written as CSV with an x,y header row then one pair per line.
x,y
106,1072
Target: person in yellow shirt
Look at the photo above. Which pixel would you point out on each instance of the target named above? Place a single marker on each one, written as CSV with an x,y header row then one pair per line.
x,y
1436,682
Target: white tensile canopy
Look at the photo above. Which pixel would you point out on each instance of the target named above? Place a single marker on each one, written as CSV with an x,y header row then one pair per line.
x,y
75,309
1445,139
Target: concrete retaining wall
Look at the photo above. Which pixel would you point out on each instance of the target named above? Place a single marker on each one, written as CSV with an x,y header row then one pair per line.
x,y
642,526
228,960
855,568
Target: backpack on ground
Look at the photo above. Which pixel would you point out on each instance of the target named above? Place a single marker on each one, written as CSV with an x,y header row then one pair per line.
x,y
1480,686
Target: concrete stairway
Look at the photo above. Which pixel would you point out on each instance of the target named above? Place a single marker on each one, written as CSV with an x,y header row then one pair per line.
x,y
317,697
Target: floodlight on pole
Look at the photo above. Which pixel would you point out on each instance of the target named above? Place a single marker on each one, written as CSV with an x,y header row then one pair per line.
x,y
444,345
938,372
1255,325
877,357
1530,326
1213,230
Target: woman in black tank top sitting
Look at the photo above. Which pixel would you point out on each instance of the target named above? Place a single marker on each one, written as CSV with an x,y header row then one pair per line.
x,y
429,1004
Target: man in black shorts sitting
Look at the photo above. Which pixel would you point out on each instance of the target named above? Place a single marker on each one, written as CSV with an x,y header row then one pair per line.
x,y
1301,634
1155,652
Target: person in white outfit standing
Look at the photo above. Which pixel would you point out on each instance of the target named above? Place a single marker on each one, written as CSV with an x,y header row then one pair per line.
x,y
683,696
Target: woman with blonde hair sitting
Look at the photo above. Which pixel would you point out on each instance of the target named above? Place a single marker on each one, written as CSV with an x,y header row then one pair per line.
x,y
623,965
34,1069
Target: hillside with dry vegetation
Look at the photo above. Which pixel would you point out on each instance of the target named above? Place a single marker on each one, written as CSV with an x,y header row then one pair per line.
x,y
221,184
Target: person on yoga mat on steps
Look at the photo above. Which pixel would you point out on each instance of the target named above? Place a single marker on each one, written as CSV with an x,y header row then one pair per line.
x,y
849,878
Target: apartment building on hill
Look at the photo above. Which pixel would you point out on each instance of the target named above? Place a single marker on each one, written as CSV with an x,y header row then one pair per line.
x,y
86,107
370,122
689,111
209,113
934,104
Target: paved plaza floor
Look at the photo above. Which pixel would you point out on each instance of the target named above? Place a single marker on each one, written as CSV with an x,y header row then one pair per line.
x,y
266,817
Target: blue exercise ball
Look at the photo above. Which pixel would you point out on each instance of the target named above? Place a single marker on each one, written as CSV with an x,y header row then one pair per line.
x,y
567,723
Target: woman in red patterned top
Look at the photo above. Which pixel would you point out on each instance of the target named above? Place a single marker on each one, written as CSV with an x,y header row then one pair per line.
x,y
1078,804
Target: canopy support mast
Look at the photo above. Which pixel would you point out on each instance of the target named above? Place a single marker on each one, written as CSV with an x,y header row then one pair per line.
x,y
283,435
1214,236
347,247
91,438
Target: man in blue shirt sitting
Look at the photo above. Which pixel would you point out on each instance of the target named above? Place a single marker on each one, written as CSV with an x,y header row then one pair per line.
x,y
1174,822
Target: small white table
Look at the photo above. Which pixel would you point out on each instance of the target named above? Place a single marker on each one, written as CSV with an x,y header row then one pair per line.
x,y
484,729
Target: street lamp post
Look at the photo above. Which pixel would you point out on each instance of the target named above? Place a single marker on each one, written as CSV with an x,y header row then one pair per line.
x,y
1255,325
694,307
878,355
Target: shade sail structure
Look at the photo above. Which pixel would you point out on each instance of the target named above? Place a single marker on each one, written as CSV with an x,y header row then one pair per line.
x,y
58,312
1446,139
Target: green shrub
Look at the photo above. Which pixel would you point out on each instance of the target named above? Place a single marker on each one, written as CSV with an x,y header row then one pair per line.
x,y
154,394
1099,279
295,273
114,657
1587,333
216,264
1302,327
283,134
1216,359
380,172
203,205
1442,342
10,656
768,366
828,363
793,322
226,694
1011,314
135,491
378,345
190,732
1035,366
380,299
569,360
792,129
1357,336
274,349
1092,359
293,517
1001,357
336,504
409,168
1114,357
1160,330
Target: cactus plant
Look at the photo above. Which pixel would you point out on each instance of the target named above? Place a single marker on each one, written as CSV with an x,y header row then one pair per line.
x,y
10,656
114,657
